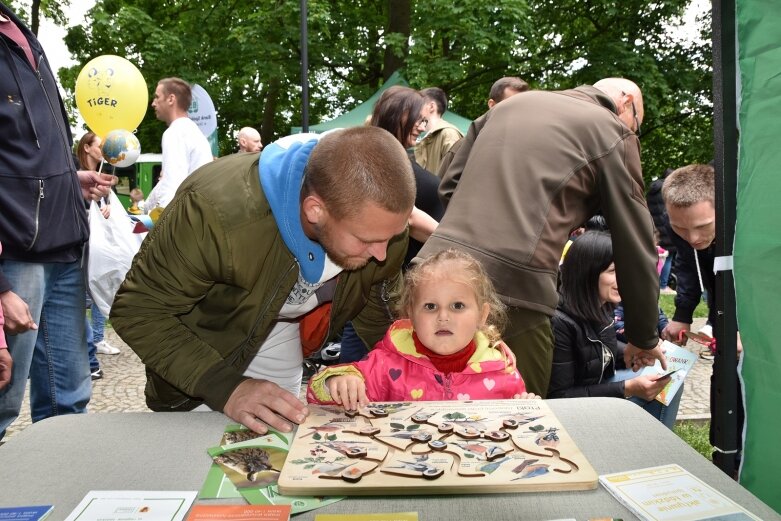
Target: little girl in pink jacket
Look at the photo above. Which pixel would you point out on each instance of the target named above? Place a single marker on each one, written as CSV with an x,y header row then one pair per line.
x,y
448,349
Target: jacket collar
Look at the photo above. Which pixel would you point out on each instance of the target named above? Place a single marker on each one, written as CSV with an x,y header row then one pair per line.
x,y
595,96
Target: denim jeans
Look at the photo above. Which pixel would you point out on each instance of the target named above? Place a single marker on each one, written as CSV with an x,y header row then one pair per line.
x,y
353,349
664,413
54,356
98,325
92,348
664,276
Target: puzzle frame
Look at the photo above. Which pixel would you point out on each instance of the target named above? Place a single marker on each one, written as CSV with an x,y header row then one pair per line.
x,y
455,447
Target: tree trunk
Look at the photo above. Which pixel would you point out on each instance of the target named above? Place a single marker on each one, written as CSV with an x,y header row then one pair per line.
x,y
399,21
269,111
35,14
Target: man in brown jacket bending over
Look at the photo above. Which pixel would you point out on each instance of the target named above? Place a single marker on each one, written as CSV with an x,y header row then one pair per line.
x,y
530,170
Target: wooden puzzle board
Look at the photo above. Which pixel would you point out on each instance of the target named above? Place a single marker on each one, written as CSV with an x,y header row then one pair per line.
x,y
457,447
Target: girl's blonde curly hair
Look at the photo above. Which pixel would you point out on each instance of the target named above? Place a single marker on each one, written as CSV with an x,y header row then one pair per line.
x,y
453,263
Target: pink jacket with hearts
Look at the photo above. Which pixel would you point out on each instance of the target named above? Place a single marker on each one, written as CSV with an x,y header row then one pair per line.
x,y
395,371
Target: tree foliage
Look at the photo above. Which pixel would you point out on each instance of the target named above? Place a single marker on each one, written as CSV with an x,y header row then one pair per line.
x,y
54,10
247,56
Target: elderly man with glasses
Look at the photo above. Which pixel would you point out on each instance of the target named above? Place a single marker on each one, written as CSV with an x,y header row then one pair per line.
x,y
530,170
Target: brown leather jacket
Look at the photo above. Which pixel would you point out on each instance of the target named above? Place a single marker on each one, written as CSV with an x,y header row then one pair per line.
x,y
530,170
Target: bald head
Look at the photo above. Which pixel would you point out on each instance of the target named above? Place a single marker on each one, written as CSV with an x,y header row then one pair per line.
x,y
249,140
628,100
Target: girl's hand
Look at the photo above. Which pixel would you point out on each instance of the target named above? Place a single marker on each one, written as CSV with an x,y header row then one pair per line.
x,y
526,396
348,390
645,387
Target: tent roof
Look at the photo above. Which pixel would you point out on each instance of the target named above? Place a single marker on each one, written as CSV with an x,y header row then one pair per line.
x,y
359,114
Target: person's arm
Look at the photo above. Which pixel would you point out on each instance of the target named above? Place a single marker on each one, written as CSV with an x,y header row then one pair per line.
x,y
318,390
16,313
176,166
6,363
454,162
95,185
174,270
421,225
688,290
622,198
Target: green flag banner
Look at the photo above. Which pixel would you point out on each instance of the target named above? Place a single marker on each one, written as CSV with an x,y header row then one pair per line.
x,y
757,254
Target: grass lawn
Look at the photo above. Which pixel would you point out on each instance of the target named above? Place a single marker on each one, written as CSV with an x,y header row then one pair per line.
x,y
695,434
667,303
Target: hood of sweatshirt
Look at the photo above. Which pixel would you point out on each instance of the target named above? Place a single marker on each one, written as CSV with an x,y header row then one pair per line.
x,y
281,170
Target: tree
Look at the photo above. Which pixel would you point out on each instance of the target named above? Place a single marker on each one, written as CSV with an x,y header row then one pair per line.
x,y
247,57
52,9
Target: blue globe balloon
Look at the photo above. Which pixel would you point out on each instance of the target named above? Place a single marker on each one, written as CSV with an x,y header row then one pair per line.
x,y
121,148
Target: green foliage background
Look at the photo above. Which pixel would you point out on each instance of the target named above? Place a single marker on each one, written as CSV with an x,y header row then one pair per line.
x,y
247,56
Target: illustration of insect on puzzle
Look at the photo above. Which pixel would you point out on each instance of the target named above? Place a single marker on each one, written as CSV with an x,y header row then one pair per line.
x,y
474,447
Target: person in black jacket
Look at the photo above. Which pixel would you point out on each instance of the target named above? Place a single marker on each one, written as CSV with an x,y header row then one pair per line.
x,y
43,228
690,197
662,223
587,358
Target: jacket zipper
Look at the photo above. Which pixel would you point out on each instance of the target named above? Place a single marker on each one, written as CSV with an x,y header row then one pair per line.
x,y
602,348
37,213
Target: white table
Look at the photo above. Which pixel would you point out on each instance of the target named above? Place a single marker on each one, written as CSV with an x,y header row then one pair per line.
x,y
57,461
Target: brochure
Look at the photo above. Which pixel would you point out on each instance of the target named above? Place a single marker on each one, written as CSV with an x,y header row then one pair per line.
x,y
133,505
679,362
247,464
670,493
33,513
239,513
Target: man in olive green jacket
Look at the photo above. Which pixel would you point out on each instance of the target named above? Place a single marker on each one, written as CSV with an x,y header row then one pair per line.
x,y
299,240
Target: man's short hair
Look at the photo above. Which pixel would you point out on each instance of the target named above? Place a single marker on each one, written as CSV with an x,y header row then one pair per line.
x,y
360,164
436,95
179,88
508,82
690,185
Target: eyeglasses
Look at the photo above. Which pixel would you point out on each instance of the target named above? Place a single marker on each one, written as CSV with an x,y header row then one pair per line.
x,y
422,121
634,115
637,121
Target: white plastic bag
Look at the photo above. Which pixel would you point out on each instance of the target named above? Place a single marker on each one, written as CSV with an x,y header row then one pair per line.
x,y
112,246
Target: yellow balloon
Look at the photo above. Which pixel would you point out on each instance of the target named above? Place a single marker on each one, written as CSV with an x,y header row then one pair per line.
x,y
111,94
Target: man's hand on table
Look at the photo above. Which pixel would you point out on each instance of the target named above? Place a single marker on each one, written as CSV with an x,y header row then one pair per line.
x,y
259,404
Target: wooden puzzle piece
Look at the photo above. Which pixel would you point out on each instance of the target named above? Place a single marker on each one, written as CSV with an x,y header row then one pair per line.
x,y
427,466
352,473
357,449
556,462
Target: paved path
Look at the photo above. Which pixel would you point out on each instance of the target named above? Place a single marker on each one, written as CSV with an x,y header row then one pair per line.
x,y
122,387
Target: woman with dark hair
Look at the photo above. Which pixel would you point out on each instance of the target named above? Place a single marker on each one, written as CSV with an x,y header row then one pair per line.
x,y
587,358
400,111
